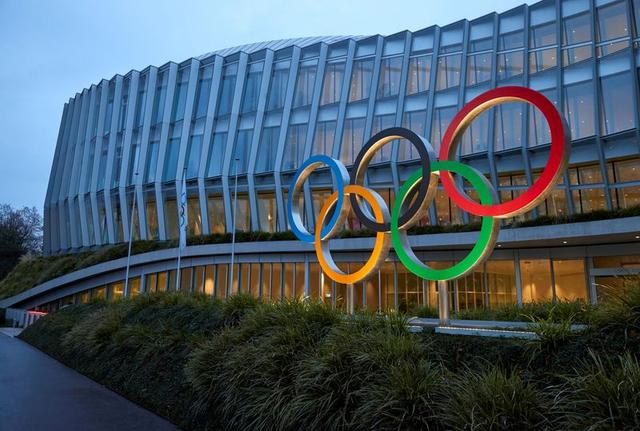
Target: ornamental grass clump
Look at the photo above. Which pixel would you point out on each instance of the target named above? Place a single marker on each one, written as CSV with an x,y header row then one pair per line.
x,y
604,394
244,377
493,399
620,308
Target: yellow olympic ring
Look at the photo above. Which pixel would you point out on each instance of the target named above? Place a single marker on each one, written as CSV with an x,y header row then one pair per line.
x,y
380,248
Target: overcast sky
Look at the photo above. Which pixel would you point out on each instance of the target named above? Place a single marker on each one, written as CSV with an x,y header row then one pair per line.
x,y
49,50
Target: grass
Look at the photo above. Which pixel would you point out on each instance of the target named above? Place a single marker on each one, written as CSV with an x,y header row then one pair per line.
x,y
243,364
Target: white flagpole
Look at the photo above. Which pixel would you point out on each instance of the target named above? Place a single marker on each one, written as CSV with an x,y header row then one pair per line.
x,y
183,224
133,209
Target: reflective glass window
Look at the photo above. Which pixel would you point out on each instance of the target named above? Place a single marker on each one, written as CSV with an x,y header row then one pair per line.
x,y
576,29
441,119
194,217
510,64
160,97
539,132
575,55
446,212
579,109
171,160
215,213
511,40
203,91
448,72
542,60
252,88
611,22
267,210
390,72
352,139
476,137
536,280
332,84
109,109
242,212
481,44
570,280
180,95
278,86
193,156
415,121
324,137
501,282
267,149
152,155
617,112
227,88
171,217
542,35
304,86
361,79
419,74
294,146
479,68
381,122
141,101
508,125
241,149
152,217
216,154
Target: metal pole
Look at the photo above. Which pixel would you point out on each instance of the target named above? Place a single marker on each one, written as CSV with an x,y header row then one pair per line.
x,y
178,274
443,303
233,228
133,208
350,300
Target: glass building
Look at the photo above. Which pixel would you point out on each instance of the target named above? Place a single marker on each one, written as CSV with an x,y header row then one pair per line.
x,y
257,111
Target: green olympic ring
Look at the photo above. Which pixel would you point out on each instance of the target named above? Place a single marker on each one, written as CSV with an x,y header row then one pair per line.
x,y
488,231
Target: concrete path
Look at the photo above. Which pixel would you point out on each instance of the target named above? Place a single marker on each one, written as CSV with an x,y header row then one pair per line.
x,y
39,393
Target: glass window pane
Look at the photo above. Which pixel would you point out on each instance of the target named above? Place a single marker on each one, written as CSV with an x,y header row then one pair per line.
x,y
448,72
539,132
294,146
193,156
617,113
267,149
479,68
543,35
419,74
252,88
612,21
536,280
278,86
579,109
416,122
241,152
203,91
227,88
570,281
267,210
380,123
475,138
576,29
180,95
510,64
390,71
575,55
216,154
332,85
501,282
304,85
215,210
352,139
511,40
441,119
361,79
323,140
540,61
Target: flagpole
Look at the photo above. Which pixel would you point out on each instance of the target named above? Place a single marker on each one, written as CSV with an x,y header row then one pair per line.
x,y
133,209
233,231
183,222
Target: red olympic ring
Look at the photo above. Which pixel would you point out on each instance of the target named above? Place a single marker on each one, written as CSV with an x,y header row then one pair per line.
x,y
558,155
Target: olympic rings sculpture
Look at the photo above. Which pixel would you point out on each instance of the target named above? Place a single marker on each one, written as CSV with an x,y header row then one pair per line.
x,y
418,192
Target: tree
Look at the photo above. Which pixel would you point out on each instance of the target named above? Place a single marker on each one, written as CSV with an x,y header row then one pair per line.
x,y
20,234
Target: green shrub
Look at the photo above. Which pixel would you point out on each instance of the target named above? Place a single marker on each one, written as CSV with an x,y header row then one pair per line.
x,y
245,376
493,399
424,312
605,395
620,309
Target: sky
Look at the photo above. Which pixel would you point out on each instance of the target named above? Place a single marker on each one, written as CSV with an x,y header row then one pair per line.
x,y
50,50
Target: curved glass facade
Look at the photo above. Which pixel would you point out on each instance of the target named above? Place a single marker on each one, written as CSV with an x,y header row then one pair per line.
x,y
257,111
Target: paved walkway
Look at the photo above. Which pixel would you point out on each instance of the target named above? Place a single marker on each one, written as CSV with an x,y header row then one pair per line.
x,y
39,393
